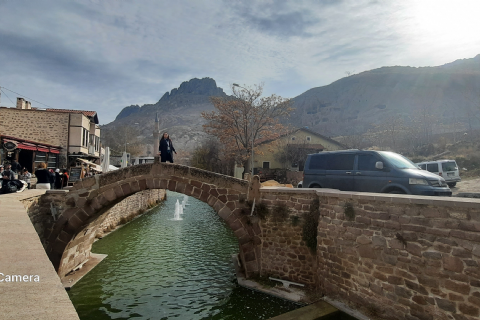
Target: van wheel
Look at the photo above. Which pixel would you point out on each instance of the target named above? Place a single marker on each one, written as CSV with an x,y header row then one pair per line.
x,y
452,184
397,191
315,186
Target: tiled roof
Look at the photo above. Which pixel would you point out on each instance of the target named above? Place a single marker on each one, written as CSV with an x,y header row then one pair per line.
x,y
84,112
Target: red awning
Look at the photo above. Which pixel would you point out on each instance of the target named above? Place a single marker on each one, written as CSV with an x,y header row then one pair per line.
x,y
25,146
32,145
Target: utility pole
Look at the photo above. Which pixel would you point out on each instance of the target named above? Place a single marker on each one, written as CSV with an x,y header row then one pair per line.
x,y
156,137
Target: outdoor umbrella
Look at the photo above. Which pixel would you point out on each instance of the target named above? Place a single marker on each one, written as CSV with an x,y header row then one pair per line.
x,y
106,160
124,160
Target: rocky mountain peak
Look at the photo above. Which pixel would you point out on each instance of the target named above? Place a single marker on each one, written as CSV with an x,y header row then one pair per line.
x,y
128,111
201,87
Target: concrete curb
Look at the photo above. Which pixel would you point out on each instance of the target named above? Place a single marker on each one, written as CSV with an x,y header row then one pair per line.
x,y
23,256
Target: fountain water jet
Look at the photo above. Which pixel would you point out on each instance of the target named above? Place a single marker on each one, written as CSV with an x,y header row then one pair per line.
x,y
184,201
178,211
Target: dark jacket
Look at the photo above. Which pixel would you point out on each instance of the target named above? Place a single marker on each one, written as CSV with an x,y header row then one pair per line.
x,y
52,177
8,173
43,176
58,181
16,167
165,154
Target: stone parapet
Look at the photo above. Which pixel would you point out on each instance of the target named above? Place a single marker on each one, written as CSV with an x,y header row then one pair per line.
x,y
283,251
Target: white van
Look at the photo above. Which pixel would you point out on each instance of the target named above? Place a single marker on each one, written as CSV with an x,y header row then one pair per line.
x,y
447,169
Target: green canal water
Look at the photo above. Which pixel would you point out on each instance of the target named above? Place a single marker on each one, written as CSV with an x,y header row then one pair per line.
x,y
158,268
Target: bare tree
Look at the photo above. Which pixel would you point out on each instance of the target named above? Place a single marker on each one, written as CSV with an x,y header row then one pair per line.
x,y
245,119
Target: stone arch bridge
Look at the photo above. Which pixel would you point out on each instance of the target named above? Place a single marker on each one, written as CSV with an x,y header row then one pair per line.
x,y
91,197
411,257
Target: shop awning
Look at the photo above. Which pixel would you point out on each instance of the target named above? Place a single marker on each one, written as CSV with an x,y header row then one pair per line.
x,y
26,146
32,145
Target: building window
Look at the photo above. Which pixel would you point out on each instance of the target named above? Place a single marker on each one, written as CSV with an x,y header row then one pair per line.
x,y
97,144
40,157
293,138
309,138
266,165
85,138
52,161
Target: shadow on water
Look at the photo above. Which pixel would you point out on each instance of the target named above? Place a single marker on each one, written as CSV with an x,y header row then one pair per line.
x,y
162,269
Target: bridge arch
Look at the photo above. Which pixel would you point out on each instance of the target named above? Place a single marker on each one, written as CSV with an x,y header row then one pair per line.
x,y
91,197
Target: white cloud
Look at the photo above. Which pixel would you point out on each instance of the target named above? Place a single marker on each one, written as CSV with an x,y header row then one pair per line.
x,y
105,55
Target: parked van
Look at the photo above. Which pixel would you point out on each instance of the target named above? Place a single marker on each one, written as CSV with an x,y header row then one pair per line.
x,y
447,169
371,171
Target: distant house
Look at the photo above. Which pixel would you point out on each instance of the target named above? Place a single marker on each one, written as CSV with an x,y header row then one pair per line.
x,y
290,150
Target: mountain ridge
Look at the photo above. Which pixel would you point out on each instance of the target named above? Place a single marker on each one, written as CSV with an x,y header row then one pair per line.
x,y
350,105
356,103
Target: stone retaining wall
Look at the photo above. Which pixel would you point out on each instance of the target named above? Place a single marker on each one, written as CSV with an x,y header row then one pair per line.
x,y
40,212
391,256
79,249
129,208
284,253
402,257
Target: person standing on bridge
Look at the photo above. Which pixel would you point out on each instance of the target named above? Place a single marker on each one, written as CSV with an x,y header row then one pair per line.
x,y
166,149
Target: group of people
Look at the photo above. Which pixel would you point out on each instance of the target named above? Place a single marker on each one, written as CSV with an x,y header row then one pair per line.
x,y
13,178
49,179
8,179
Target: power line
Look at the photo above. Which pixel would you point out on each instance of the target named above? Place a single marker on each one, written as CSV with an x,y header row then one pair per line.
x,y
27,98
7,96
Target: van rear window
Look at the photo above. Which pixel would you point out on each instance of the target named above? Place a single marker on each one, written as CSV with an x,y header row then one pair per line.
x,y
318,162
449,166
432,167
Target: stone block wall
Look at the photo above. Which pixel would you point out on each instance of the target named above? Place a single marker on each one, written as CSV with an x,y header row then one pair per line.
x,y
36,125
40,212
284,253
401,257
390,256
130,207
79,248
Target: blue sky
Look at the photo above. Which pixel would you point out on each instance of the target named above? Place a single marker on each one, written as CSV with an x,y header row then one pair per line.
x,y
104,55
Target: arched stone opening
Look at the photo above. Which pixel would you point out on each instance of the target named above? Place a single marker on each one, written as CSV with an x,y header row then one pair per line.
x,y
90,198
